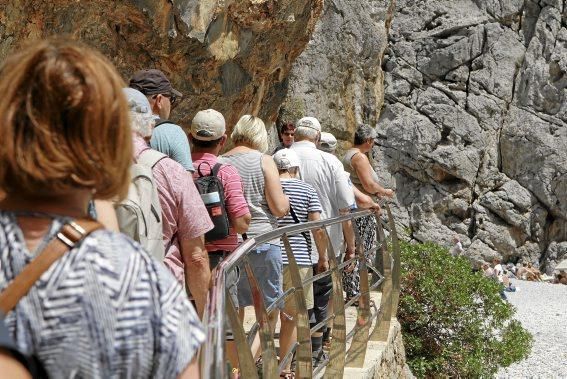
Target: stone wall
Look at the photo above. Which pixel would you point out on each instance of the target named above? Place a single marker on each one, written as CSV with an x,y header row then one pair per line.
x,y
470,103
383,359
231,55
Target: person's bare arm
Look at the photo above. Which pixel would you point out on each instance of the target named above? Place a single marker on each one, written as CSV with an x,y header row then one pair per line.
x,y
241,224
364,201
277,200
191,371
197,270
321,243
364,172
106,215
11,367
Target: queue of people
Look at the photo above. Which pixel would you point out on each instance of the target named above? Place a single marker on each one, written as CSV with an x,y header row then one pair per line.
x,y
79,146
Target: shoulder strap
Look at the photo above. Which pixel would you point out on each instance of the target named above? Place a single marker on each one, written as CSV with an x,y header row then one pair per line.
x,y
216,169
160,121
68,236
150,157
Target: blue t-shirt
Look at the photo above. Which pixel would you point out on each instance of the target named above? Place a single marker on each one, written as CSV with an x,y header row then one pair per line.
x,y
171,140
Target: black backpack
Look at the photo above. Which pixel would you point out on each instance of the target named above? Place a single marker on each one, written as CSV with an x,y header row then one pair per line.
x,y
212,193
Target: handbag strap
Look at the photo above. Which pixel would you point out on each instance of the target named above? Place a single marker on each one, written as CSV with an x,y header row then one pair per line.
x,y
68,236
296,219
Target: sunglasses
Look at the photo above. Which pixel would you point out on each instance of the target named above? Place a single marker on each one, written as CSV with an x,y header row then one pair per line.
x,y
172,98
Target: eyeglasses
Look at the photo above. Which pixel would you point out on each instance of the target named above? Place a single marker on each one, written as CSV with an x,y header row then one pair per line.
x,y
172,98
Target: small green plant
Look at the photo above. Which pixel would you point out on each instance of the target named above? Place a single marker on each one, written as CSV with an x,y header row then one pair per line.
x,y
454,322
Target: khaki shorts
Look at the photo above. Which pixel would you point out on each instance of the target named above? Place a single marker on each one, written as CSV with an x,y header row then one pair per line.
x,y
305,273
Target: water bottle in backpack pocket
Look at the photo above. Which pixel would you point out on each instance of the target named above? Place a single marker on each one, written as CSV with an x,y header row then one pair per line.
x,y
212,193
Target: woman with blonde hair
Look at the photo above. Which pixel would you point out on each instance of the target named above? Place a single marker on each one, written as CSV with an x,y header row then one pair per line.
x,y
266,201
102,306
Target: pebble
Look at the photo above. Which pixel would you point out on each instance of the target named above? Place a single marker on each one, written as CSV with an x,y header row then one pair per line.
x,y
542,309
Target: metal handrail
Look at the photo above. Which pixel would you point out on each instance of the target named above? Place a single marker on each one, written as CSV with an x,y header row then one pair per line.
x,y
219,307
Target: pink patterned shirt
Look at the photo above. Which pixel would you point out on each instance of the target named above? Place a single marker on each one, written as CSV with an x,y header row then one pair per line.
x,y
184,214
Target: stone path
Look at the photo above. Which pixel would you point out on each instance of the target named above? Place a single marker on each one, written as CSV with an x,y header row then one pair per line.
x,y
542,309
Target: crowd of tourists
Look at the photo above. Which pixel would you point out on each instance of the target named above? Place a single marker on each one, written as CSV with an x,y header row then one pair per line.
x,y
112,218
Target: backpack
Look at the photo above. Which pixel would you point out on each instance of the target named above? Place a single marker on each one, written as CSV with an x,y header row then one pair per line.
x,y
139,214
212,193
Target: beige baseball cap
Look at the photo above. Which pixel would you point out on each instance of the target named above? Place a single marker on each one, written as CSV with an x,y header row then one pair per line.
x,y
328,142
286,159
309,122
208,125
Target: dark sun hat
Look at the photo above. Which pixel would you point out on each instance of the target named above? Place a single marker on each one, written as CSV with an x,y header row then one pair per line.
x,y
153,82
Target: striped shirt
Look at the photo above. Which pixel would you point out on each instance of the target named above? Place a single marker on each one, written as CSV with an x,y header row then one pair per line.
x,y
234,201
106,309
249,166
304,200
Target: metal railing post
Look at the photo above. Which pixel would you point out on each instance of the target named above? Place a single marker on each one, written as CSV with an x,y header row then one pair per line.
x,y
304,367
269,357
396,271
245,358
382,328
357,351
337,353
220,306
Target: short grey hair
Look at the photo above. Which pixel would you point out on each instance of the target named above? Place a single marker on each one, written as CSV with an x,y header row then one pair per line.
x,y
363,133
142,123
251,130
302,133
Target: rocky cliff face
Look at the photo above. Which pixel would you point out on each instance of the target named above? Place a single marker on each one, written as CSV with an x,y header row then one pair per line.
x,y
339,77
231,55
469,96
473,128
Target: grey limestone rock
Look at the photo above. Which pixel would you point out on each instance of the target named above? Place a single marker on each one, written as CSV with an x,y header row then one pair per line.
x,y
472,130
339,76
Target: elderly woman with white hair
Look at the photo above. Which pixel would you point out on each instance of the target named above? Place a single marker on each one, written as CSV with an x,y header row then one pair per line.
x,y
365,179
266,201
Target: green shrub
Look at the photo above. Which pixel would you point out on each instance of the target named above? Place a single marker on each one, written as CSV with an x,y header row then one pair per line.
x,y
454,322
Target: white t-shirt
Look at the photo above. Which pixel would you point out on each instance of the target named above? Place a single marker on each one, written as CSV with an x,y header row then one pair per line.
x,y
498,272
325,173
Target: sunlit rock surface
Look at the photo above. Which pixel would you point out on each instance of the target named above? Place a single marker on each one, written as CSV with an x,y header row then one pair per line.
x,y
231,55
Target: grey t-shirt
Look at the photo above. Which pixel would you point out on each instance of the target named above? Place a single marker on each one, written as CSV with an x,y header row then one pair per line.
x,y
171,140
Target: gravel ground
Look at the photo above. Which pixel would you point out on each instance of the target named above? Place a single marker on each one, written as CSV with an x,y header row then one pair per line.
x,y
542,309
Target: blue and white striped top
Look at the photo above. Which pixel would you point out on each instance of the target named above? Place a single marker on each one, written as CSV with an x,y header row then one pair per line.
x,y
303,199
106,309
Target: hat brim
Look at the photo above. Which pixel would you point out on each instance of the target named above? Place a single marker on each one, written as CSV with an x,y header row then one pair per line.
x,y
176,93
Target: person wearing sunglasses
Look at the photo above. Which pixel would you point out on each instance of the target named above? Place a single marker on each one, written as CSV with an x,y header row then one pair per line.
x,y
167,137
286,131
